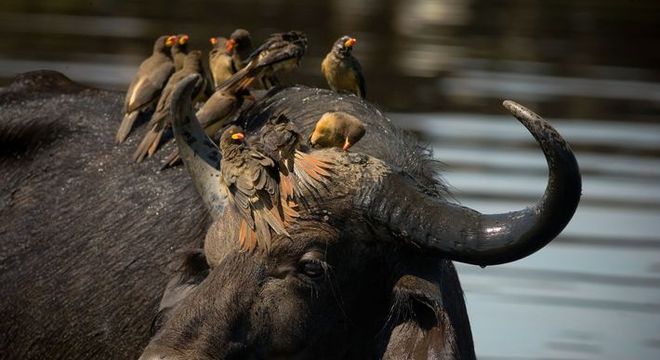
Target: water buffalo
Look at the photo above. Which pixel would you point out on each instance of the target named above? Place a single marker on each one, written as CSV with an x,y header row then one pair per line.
x,y
87,237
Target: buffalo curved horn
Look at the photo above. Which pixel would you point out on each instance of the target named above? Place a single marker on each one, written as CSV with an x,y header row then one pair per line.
x,y
200,155
462,234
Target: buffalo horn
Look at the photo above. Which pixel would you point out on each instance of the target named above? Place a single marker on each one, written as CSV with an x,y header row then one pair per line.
x,y
462,234
199,154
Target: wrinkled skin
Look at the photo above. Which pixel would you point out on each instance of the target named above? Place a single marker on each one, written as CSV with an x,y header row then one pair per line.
x,y
87,237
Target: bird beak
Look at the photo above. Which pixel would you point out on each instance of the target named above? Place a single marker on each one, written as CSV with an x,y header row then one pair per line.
x,y
347,145
350,42
238,136
171,40
230,44
213,41
183,39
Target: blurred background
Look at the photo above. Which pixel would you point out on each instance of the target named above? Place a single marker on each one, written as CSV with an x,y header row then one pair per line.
x,y
441,69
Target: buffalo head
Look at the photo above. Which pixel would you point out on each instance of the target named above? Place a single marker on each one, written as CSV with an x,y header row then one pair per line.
x,y
366,271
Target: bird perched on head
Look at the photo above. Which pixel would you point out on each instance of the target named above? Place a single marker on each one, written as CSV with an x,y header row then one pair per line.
x,y
341,69
221,62
337,129
300,172
281,52
252,190
240,43
180,50
160,121
147,85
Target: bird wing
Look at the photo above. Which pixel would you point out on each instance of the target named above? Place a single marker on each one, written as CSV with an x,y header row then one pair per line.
x,y
147,87
362,90
313,172
217,108
255,194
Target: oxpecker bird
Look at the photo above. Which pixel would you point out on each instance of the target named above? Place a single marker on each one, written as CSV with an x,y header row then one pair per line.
x,y
281,52
221,63
180,50
252,185
337,129
240,43
341,69
160,121
301,172
145,89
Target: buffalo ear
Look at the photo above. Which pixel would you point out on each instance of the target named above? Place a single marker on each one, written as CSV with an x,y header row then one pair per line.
x,y
427,320
189,272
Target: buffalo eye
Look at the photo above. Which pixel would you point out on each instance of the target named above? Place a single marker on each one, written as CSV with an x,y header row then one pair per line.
x,y
312,265
312,268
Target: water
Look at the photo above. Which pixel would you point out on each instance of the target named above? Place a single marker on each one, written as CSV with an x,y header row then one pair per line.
x,y
594,292
441,68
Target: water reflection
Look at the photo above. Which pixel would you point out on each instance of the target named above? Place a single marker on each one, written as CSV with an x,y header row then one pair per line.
x,y
594,293
586,59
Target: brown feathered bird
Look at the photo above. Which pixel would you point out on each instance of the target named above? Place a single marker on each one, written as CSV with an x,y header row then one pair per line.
x,y
180,50
281,52
252,190
221,63
216,113
147,85
341,69
240,44
160,121
337,129
300,172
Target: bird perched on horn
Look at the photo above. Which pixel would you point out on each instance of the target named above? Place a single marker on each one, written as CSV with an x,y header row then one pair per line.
x,y
160,121
341,69
147,85
252,190
180,50
337,129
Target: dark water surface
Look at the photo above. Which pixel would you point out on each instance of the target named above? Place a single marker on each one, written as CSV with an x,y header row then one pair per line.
x,y
441,68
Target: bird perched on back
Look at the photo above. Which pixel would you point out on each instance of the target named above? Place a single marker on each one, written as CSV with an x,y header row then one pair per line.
x,y
341,69
337,129
160,121
180,50
300,172
252,190
281,52
240,43
147,85
221,63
